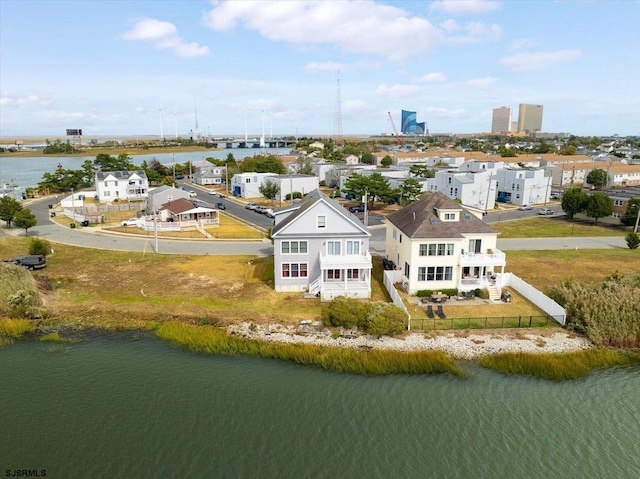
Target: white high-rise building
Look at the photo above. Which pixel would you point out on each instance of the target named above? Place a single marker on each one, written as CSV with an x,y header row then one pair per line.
x,y
501,122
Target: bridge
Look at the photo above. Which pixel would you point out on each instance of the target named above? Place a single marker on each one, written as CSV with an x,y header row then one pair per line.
x,y
252,143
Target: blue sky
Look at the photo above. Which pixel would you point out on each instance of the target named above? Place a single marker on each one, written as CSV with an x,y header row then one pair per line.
x,y
108,67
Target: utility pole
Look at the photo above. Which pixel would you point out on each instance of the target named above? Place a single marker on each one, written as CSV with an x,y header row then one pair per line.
x,y
635,228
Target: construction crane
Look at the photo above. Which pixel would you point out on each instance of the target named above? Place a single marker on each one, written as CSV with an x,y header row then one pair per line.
x,y
395,132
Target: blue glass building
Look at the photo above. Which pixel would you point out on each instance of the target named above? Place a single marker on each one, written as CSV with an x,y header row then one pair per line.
x,y
410,126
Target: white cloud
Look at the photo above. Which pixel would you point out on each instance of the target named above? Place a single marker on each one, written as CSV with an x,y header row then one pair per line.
x,y
432,77
482,83
456,7
443,113
397,90
8,100
325,67
163,35
356,27
521,43
538,60
476,32
355,107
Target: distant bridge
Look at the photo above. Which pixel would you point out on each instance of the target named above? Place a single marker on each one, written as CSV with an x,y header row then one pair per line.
x,y
252,143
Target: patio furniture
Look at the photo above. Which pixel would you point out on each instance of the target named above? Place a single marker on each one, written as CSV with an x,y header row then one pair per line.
x,y
439,297
441,312
430,314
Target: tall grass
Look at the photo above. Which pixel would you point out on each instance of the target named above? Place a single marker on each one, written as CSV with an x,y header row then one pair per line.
x,y
209,340
558,366
11,329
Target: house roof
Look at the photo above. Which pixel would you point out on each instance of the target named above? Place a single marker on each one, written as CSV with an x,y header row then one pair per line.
x,y
420,219
178,206
101,175
307,203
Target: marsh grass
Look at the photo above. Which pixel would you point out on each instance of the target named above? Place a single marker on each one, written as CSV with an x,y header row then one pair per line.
x,y
55,337
11,329
558,366
208,340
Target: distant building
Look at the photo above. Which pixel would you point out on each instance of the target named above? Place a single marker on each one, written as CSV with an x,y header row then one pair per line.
x,y
409,124
501,122
529,118
121,185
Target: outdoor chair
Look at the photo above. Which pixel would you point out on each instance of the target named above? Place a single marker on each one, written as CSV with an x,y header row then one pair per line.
x,y
441,312
430,312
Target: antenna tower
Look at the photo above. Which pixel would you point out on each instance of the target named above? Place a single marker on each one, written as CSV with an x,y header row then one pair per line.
x,y
195,108
337,120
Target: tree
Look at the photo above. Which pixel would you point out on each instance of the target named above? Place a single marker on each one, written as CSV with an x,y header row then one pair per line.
x,y
633,239
599,206
367,158
386,161
574,201
568,150
39,246
9,206
262,164
25,219
597,177
631,215
421,171
269,190
106,162
375,187
409,191
304,166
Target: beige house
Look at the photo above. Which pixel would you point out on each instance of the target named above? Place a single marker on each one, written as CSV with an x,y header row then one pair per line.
x,y
438,244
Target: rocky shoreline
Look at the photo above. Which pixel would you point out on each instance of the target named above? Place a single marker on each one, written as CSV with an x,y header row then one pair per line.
x,y
459,345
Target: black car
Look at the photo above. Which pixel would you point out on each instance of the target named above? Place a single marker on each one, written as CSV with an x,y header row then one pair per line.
x,y
221,206
34,261
357,209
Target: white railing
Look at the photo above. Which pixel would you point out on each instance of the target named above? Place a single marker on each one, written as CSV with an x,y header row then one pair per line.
x,y
496,258
315,285
330,261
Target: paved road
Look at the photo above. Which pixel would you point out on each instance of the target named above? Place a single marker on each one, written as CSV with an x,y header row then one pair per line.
x,y
95,238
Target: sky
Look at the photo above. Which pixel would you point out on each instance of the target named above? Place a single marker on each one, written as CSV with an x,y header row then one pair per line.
x,y
315,68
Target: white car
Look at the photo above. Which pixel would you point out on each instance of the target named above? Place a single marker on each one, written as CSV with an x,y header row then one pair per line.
x,y
193,194
130,222
545,211
525,207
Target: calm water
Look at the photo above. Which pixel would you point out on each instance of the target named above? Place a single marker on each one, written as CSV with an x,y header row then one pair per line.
x,y
27,171
121,408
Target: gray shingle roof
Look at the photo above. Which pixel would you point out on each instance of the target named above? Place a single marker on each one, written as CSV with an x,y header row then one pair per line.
x,y
420,219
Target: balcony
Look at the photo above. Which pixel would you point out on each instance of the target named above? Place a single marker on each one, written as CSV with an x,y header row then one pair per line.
x,y
490,258
360,261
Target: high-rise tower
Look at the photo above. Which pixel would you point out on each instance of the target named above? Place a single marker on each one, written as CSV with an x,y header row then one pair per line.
x,y
501,122
529,118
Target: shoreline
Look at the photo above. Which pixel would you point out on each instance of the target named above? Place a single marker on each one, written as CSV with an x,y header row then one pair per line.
x,y
457,344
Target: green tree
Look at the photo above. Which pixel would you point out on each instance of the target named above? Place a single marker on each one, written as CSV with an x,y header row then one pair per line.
x,y
367,158
375,186
25,219
599,206
304,166
421,171
597,177
269,190
567,150
106,162
633,239
631,215
409,191
39,246
9,207
89,172
574,201
262,164
385,319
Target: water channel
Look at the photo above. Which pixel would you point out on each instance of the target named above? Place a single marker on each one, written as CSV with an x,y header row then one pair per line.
x,y
130,406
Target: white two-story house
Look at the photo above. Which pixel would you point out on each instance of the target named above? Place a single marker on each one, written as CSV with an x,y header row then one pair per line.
x,y
438,244
121,185
322,249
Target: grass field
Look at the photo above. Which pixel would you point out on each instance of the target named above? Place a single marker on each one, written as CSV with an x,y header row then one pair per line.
x,y
554,228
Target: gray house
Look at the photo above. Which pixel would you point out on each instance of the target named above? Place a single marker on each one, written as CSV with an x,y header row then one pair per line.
x,y
321,248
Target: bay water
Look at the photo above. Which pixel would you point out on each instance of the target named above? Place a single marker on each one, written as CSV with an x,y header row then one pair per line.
x,y
128,405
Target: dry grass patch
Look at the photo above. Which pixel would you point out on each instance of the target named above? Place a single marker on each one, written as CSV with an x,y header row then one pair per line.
x,y
537,227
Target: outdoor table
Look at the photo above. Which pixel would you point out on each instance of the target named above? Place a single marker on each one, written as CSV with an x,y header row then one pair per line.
x,y
439,297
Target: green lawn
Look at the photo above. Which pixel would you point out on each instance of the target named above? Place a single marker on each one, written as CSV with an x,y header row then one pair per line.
x,y
554,228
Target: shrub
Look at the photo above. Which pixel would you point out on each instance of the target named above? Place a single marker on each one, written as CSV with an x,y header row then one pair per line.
x,y
632,239
424,293
345,312
20,302
385,319
39,246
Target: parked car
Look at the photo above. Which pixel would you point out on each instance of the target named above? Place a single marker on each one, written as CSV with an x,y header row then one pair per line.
x,y
555,196
193,194
212,192
545,211
179,177
269,213
525,207
221,196
250,206
357,209
130,222
34,261
221,206
260,209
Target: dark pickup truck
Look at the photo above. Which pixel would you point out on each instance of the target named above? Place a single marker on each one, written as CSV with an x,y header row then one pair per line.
x,y
35,261
357,209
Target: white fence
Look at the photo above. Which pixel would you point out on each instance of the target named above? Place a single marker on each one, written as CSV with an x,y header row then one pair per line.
x,y
389,278
536,297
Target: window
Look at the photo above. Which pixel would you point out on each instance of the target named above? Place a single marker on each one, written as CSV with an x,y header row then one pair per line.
x,y
422,273
333,247
400,237
353,247
333,274
294,270
293,247
322,221
407,269
353,273
439,249
423,249
247,180
618,202
394,233
439,273
475,245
